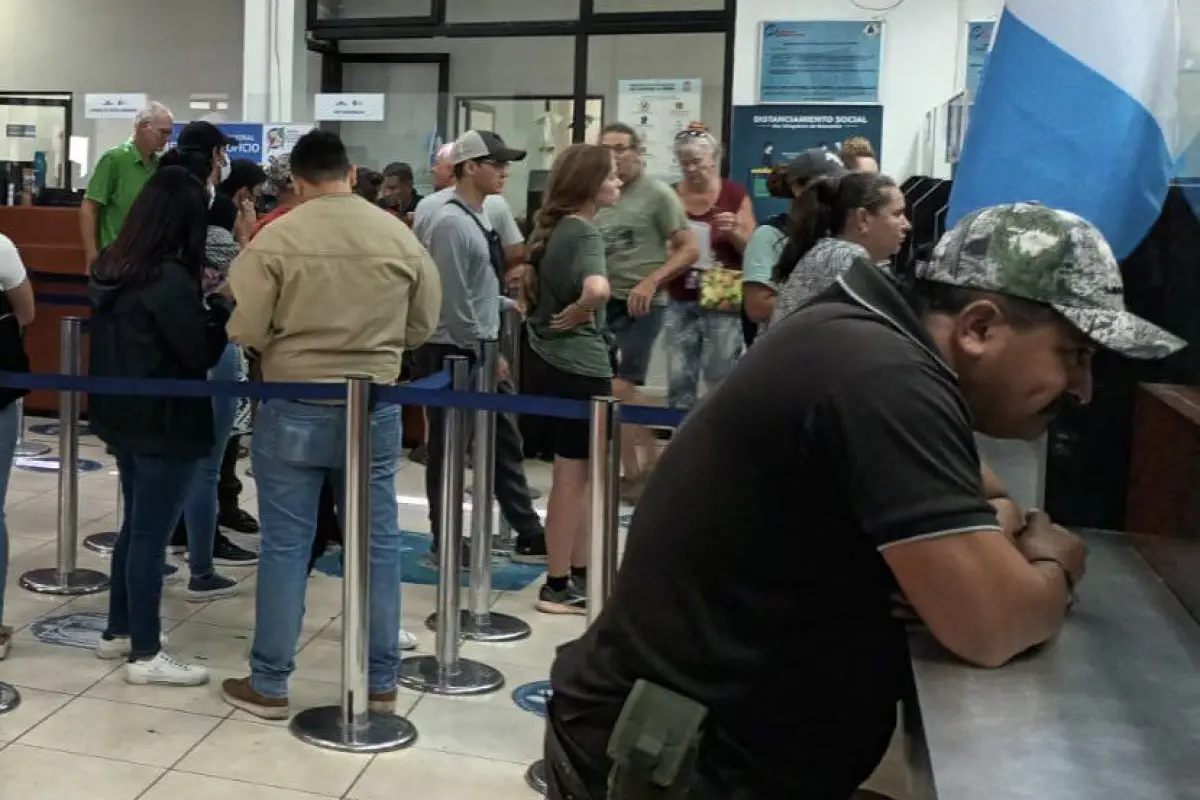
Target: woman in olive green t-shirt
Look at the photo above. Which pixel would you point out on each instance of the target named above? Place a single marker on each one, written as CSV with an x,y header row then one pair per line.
x,y
565,293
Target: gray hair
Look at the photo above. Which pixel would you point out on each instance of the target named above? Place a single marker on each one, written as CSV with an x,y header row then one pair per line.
x,y
153,110
699,140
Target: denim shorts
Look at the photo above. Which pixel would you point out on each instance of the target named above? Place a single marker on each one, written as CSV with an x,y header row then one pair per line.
x,y
632,339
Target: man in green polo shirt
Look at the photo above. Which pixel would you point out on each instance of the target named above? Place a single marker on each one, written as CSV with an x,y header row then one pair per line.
x,y
119,175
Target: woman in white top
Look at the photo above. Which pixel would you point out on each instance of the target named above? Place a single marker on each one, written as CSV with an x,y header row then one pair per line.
x,y
16,312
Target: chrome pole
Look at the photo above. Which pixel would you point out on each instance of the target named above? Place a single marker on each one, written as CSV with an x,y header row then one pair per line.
x,y
64,578
479,623
103,543
604,475
10,698
26,449
445,672
351,726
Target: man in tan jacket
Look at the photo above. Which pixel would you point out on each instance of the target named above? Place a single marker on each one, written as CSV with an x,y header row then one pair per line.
x,y
337,287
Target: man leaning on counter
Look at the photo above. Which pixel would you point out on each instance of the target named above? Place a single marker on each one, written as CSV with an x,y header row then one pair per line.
x,y
120,175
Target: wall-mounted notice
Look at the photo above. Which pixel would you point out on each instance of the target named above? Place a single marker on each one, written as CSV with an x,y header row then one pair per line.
x,y
280,137
979,43
112,106
820,62
658,109
343,107
765,136
19,131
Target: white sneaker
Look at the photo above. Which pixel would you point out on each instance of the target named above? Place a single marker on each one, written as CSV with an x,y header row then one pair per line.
x,y
165,670
407,640
119,647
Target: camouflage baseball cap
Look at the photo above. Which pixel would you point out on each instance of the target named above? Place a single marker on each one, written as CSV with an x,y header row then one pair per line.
x,y
279,175
1047,256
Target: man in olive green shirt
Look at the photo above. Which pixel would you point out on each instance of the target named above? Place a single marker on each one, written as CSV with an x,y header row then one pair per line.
x,y
119,176
647,243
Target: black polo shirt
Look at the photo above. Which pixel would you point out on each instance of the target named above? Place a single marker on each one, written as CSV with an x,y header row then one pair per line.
x,y
753,580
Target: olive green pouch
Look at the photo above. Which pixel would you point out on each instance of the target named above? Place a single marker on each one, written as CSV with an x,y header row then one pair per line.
x,y
655,744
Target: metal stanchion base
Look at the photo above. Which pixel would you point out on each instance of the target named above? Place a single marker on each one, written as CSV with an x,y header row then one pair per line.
x,y
535,776
10,698
495,628
324,727
465,677
31,450
102,543
79,582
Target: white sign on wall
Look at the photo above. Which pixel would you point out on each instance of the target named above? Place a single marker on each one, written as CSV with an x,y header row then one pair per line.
x,y
658,109
113,106
343,107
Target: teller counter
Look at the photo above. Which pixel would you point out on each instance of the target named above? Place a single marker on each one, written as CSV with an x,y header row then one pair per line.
x,y
52,249
1109,710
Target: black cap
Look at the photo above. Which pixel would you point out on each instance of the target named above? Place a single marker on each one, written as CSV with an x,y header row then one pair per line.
x,y
812,164
474,145
203,136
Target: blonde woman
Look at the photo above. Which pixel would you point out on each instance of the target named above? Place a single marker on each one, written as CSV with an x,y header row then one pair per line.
x,y
703,331
565,294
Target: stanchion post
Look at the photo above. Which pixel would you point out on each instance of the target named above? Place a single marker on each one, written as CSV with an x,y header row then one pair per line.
x,y
479,623
510,348
604,475
64,578
446,672
104,543
351,726
26,449
10,698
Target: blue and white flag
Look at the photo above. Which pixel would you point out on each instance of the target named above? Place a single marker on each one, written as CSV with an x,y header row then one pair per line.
x,y
1077,109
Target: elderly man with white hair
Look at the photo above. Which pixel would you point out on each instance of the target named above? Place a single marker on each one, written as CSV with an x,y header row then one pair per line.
x,y
119,176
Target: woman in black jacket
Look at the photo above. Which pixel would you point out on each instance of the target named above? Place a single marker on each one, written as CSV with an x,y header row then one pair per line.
x,y
150,320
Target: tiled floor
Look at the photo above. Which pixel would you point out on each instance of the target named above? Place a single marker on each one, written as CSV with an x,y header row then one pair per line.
x,y
82,731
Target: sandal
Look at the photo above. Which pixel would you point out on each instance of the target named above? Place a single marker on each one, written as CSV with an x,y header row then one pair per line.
x,y
6,635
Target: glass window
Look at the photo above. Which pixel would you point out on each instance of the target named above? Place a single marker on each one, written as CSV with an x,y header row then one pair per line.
x,y
510,10
515,95
410,131
372,9
628,6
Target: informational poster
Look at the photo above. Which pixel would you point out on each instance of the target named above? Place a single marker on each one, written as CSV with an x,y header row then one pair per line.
x,y
348,107
658,109
113,106
255,141
820,62
979,42
765,136
280,137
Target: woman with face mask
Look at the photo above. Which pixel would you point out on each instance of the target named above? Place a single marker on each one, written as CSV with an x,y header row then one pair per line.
x,y
834,222
703,328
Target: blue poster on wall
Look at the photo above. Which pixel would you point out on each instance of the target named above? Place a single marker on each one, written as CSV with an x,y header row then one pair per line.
x,y
979,43
249,137
767,135
820,62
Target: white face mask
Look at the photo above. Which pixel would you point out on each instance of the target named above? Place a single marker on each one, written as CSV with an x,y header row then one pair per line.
x,y
226,169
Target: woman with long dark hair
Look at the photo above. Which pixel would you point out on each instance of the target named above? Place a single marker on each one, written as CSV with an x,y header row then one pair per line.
x,y
566,291
151,320
834,222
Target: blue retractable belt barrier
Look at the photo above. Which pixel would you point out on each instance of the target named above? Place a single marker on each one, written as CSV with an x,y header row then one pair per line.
x,y
429,391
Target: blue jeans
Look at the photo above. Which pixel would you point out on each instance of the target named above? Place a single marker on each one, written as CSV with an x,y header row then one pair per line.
x,y
200,508
8,444
296,446
699,343
153,488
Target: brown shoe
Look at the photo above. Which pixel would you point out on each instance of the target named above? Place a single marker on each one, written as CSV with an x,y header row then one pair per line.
x,y
240,694
382,702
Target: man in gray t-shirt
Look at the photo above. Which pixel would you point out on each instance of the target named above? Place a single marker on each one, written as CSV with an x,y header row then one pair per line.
x,y
470,258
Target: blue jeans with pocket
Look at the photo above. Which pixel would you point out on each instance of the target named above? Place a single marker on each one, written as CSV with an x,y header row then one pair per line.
x,y
8,446
296,446
699,343
200,508
153,488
